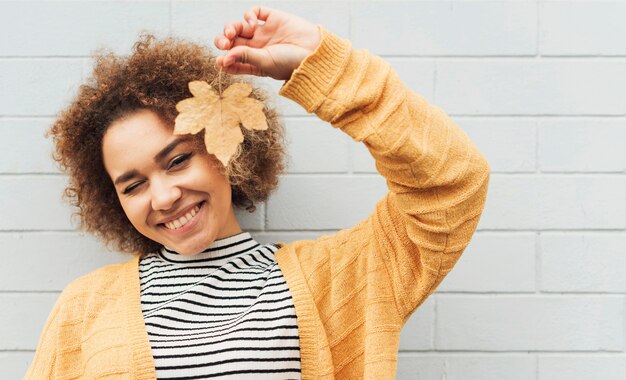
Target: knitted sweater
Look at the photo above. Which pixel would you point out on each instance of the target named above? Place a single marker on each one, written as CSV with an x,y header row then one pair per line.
x,y
352,290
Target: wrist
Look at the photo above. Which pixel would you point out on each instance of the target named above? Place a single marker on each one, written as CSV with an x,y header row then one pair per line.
x,y
311,81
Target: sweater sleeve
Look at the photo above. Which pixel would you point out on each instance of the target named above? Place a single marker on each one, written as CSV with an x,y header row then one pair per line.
x,y
437,178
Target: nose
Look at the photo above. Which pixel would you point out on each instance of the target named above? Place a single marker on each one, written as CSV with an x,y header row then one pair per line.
x,y
164,193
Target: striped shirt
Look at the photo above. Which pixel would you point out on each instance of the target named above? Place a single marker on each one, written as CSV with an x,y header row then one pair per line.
x,y
224,313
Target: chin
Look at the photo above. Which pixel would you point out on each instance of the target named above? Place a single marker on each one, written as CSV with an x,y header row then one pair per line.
x,y
191,249
186,250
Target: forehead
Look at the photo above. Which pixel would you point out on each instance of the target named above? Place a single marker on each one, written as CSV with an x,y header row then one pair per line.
x,y
134,140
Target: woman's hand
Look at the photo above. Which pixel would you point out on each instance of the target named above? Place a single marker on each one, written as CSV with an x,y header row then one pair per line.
x,y
272,48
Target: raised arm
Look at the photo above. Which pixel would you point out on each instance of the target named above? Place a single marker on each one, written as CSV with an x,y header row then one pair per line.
x,y
436,176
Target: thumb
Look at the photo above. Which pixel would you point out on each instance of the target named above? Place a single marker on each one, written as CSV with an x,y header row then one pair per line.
x,y
247,55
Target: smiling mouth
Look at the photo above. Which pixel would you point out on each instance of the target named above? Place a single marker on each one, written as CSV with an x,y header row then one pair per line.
x,y
183,220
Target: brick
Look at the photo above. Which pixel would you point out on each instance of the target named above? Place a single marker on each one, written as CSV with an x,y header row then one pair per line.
x,y
24,148
555,202
417,366
419,331
57,259
316,147
251,221
18,332
417,74
525,87
323,202
508,144
511,203
37,87
530,323
33,203
582,202
201,21
582,367
70,28
583,262
490,367
590,145
465,366
285,107
494,262
582,28
45,195
445,28
15,364
361,159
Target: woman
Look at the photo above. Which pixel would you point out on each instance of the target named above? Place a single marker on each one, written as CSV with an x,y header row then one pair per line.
x,y
201,298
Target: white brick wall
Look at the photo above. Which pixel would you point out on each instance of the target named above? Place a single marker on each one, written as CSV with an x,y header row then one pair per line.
x,y
538,85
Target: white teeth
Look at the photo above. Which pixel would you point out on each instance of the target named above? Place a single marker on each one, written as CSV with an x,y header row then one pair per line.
x,y
174,224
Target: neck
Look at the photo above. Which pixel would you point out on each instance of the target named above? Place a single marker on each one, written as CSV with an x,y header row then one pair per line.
x,y
220,249
231,227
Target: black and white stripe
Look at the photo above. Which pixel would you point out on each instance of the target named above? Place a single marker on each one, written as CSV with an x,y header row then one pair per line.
x,y
224,313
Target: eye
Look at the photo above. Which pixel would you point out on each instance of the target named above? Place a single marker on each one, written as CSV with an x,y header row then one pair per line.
x,y
178,160
132,187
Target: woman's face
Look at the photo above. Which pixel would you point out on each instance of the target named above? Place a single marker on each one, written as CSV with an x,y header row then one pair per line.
x,y
171,191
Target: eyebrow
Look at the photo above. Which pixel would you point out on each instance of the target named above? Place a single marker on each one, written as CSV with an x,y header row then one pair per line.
x,y
158,157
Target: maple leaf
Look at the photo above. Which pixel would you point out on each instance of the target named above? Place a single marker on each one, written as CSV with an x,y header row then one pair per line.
x,y
220,116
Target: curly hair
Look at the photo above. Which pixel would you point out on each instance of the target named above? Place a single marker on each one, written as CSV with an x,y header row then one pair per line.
x,y
155,77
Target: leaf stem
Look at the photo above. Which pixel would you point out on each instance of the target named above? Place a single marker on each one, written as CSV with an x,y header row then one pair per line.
x,y
219,81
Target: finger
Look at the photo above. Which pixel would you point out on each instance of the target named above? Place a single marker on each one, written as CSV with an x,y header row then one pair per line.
x,y
260,12
230,36
219,61
230,30
237,67
224,61
245,54
238,28
221,42
224,43
250,18
242,42
243,69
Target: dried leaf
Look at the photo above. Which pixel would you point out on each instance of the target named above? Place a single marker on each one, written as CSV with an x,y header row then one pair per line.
x,y
220,116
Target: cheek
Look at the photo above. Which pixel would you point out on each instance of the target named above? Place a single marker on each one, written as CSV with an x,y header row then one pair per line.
x,y
222,188
133,212
212,180
218,191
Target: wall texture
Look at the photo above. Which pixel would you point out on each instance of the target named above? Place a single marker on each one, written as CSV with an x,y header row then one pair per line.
x,y
539,85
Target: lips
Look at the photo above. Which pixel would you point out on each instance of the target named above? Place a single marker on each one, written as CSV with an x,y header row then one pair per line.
x,y
178,223
181,221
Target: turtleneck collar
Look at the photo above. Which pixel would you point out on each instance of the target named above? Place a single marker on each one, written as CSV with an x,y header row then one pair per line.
x,y
220,250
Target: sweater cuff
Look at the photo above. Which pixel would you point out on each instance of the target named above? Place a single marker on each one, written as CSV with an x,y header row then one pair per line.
x,y
312,81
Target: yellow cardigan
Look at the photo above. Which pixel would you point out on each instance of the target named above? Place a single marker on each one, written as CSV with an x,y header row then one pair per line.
x,y
352,290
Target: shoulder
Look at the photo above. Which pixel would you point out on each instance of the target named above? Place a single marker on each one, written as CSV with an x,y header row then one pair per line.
x,y
105,281
308,254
